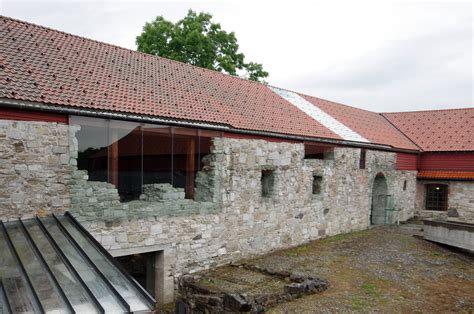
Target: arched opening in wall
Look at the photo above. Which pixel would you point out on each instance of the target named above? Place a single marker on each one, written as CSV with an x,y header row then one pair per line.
x,y
380,200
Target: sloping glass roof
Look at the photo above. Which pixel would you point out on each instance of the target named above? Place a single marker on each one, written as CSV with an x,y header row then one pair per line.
x,y
53,265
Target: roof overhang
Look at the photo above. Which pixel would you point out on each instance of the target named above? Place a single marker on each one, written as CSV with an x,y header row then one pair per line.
x,y
27,105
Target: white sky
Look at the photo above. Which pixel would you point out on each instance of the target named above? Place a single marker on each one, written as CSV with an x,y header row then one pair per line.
x,y
381,55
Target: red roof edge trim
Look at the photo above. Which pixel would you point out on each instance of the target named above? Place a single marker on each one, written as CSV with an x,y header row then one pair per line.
x,y
446,175
25,115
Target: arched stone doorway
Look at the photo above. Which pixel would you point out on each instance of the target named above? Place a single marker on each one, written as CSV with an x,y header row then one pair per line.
x,y
379,200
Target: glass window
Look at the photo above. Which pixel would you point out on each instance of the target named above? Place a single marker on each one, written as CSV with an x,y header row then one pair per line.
x,y
157,155
132,155
125,158
92,141
436,197
185,159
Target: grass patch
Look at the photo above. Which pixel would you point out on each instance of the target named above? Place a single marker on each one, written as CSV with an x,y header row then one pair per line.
x,y
299,250
358,303
370,289
438,254
346,236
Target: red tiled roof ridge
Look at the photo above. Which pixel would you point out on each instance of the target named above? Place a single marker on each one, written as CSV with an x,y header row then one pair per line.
x,y
428,110
148,55
336,103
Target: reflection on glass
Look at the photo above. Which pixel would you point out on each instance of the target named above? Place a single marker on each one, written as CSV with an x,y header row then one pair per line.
x,y
92,139
157,154
125,288
95,283
38,275
129,154
16,290
185,158
74,291
125,158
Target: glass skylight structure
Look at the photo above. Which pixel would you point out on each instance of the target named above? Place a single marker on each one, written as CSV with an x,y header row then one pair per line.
x,y
53,265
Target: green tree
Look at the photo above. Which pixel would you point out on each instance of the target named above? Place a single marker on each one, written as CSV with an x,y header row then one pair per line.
x,y
196,40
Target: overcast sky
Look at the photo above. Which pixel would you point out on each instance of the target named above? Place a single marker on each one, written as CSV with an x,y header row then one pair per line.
x,y
390,56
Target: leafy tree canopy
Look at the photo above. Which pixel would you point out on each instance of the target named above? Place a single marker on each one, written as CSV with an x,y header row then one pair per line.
x,y
196,40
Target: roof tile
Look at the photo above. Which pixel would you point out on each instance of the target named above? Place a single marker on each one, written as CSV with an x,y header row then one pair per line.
x,y
48,66
437,174
437,130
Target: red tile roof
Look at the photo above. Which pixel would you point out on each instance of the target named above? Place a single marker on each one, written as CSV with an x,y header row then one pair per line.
x,y
437,130
47,66
371,125
438,174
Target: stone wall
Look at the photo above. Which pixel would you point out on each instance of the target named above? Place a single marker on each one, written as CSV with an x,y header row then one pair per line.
x,y
243,222
230,218
34,168
460,201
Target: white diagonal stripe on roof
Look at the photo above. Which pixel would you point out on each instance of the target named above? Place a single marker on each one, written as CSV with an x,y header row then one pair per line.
x,y
322,117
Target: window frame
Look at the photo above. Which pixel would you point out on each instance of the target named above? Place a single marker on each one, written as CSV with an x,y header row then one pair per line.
x,y
436,201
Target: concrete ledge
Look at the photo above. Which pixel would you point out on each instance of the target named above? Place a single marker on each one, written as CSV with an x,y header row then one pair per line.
x,y
457,234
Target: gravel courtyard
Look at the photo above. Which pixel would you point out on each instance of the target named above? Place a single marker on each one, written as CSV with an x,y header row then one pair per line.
x,y
384,269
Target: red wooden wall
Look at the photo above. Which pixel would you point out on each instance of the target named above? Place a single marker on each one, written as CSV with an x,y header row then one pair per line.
x,y
463,161
407,161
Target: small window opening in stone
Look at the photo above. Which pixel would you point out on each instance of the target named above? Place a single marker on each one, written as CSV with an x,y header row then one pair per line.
x,y
363,154
267,181
404,185
317,180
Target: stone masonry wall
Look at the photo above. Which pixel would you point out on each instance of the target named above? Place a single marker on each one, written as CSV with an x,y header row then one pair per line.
x,y
34,168
230,218
460,201
243,223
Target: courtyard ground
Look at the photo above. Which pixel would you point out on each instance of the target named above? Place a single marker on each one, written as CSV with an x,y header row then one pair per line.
x,y
384,269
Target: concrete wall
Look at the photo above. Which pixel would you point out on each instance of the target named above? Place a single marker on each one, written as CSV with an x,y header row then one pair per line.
x,y
460,200
34,168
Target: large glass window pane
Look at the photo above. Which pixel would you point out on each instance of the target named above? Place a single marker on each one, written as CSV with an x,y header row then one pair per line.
x,y
125,158
185,159
73,289
95,283
15,286
92,141
118,280
157,154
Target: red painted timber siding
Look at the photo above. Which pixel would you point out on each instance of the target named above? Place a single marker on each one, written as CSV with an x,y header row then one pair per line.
x,y
406,161
26,115
463,161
